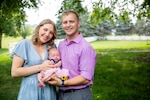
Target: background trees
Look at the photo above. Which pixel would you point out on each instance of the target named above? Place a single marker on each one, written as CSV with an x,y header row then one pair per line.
x,y
83,14
105,16
13,15
108,15
123,10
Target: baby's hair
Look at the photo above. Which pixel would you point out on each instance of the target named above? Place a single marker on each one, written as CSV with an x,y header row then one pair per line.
x,y
50,48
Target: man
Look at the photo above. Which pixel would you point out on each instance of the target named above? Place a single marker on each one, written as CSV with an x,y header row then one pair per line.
x,y
79,57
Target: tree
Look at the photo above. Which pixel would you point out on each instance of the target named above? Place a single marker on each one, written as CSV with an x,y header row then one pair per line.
x,y
86,26
26,30
83,14
119,9
66,5
140,27
123,28
71,4
60,32
13,16
148,29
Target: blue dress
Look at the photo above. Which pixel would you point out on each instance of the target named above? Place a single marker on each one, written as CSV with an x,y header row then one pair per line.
x,y
29,89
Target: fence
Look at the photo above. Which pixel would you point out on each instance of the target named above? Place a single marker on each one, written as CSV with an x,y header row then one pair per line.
x,y
11,45
127,37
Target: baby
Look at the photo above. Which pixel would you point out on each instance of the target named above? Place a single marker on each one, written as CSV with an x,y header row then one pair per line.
x,y
54,57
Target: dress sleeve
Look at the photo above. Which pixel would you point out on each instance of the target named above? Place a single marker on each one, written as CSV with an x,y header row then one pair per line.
x,y
20,50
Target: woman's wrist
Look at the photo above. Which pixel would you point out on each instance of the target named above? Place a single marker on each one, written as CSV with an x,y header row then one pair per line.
x,y
39,68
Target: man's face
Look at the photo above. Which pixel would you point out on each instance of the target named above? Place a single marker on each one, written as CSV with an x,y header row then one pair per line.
x,y
70,24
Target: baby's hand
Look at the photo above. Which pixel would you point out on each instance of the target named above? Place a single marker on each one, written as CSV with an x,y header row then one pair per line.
x,y
57,65
52,63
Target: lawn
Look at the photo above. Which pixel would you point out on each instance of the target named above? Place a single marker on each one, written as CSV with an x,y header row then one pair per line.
x,y
119,75
122,70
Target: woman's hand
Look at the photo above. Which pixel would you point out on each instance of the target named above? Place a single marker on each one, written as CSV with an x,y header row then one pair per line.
x,y
46,65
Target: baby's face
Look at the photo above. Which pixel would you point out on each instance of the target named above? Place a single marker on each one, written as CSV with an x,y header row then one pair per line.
x,y
54,54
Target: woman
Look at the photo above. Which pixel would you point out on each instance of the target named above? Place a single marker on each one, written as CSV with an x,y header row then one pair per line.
x,y
30,57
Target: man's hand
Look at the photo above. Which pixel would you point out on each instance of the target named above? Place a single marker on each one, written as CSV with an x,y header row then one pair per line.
x,y
54,80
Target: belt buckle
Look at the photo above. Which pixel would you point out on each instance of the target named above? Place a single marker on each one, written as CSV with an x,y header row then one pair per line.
x,y
68,91
72,90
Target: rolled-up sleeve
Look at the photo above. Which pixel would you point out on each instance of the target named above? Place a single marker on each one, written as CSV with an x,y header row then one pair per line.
x,y
88,62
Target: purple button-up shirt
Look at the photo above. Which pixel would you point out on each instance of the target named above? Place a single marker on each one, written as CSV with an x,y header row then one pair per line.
x,y
80,58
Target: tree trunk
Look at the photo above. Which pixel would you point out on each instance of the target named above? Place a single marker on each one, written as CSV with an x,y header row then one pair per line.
x,y
0,38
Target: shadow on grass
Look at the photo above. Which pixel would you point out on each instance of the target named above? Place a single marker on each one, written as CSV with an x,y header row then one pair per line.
x,y
121,76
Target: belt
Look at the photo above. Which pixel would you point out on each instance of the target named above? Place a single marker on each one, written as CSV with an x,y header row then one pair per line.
x,y
72,90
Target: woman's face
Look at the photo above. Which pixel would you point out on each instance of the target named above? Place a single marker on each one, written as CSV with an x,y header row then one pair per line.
x,y
46,33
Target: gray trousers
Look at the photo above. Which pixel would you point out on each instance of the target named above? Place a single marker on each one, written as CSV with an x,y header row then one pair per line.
x,y
80,94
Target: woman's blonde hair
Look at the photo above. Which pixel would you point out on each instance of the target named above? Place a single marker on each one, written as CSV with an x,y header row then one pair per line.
x,y
36,32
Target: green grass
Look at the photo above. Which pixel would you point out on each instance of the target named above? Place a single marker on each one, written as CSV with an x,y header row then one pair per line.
x,y
120,45
119,75
7,39
8,86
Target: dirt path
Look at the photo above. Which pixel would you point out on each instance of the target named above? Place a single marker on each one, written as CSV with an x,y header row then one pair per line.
x,y
106,52
137,51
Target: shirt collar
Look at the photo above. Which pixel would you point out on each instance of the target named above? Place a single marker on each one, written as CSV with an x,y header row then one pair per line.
x,y
76,40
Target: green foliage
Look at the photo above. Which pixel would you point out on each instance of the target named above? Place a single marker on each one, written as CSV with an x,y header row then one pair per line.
x,y
116,9
141,27
145,9
84,15
26,31
124,28
124,16
60,32
108,15
13,16
67,5
71,4
99,15
86,26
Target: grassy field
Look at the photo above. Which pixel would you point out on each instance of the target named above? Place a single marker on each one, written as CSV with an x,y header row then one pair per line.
x,y
119,75
6,40
122,70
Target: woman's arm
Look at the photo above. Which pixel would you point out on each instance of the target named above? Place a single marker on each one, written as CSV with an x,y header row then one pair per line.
x,y
18,69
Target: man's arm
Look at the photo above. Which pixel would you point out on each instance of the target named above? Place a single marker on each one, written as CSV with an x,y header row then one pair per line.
x,y
78,80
